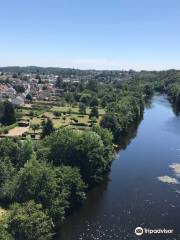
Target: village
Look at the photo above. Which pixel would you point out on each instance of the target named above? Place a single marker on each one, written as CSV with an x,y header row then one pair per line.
x,y
38,97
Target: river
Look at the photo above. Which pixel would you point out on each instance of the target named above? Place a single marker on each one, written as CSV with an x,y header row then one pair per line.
x,y
142,188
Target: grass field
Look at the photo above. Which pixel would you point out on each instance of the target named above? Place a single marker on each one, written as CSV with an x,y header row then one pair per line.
x,y
40,111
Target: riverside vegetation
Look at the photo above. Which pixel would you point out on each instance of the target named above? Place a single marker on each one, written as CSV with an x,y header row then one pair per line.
x,y
42,181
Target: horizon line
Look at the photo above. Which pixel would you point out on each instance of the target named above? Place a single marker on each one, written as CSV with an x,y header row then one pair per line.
x,y
90,69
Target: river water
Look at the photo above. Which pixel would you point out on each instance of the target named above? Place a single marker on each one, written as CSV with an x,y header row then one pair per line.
x,y
142,188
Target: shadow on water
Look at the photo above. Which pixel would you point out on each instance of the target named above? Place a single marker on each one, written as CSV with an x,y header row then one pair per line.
x,y
176,109
79,216
126,139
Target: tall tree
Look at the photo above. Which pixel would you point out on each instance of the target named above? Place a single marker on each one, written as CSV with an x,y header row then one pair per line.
x,y
94,112
82,108
47,128
8,117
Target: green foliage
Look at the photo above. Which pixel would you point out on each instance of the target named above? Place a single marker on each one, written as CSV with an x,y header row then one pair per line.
x,y
29,221
92,85
82,108
5,129
57,113
29,97
18,152
59,82
35,127
8,116
107,138
85,150
19,88
122,114
86,98
94,112
57,189
47,128
173,91
94,102
4,234
7,171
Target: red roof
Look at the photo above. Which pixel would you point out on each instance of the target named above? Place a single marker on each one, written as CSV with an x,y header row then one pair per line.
x,y
3,88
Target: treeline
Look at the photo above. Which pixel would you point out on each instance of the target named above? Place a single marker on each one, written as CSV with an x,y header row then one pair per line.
x,y
122,114
100,75
163,81
66,72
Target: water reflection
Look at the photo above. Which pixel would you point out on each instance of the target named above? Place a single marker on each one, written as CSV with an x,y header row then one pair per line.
x,y
126,140
91,206
172,125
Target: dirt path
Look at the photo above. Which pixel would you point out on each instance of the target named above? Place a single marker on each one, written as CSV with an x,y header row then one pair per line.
x,y
17,131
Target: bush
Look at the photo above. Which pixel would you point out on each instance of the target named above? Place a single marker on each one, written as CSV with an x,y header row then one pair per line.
x,y
5,131
57,113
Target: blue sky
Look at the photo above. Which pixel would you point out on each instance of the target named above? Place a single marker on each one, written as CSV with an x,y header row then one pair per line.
x,y
98,34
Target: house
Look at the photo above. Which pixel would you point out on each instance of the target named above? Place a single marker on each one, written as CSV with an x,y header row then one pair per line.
x,y
7,91
44,95
18,101
23,123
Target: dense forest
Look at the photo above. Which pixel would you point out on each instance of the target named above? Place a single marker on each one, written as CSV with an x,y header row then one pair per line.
x,y
43,181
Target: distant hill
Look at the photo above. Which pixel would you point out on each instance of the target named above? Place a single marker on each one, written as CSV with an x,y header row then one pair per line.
x,y
45,70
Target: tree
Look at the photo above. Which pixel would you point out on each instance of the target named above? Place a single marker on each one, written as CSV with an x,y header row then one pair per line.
x,y
17,151
38,77
69,96
15,75
83,150
57,113
19,88
94,102
110,121
86,98
29,97
107,138
90,157
35,127
56,188
82,108
8,117
92,85
7,171
122,113
4,234
94,112
105,101
47,128
29,221
59,82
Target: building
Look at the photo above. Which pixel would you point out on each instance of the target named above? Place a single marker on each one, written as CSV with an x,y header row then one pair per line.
x,y
7,92
18,101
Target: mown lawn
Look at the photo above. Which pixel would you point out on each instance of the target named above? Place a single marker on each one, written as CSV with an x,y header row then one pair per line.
x,y
70,116
75,110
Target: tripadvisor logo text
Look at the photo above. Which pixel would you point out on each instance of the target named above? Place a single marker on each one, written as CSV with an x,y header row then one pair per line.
x,y
140,231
